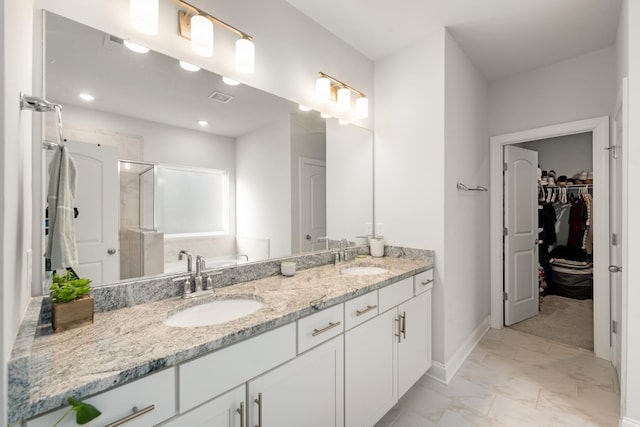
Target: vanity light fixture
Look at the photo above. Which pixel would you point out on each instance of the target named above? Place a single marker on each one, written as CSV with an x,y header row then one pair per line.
x,y
304,108
325,115
135,47
143,16
230,81
86,97
329,88
189,67
201,36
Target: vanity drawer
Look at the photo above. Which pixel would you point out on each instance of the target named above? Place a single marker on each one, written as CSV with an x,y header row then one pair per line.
x,y
156,391
215,373
423,282
360,309
320,327
395,294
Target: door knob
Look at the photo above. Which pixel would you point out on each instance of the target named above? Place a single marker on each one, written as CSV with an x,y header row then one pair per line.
x,y
308,237
111,251
615,269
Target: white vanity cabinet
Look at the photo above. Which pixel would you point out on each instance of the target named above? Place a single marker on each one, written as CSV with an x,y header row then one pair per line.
x,y
307,391
153,396
386,355
227,410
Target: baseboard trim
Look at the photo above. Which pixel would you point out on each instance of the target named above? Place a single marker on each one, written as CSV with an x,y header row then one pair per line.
x,y
628,422
444,373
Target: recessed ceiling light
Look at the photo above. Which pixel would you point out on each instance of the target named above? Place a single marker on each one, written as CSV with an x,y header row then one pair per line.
x,y
86,97
304,108
230,81
136,47
189,67
203,123
325,115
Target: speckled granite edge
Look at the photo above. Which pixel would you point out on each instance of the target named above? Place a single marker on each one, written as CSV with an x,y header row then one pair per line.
x,y
131,293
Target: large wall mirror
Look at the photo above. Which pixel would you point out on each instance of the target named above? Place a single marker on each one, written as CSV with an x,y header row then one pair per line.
x,y
260,180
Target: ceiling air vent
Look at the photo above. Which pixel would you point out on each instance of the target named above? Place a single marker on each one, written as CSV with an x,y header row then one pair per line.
x,y
220,97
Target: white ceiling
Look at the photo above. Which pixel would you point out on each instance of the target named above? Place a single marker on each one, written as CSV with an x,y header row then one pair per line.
x,y
503,38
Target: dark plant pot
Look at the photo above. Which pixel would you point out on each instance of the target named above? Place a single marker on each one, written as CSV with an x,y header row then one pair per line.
x,y
73,314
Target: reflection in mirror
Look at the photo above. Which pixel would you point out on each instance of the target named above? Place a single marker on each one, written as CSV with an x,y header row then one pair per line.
x,y
265,178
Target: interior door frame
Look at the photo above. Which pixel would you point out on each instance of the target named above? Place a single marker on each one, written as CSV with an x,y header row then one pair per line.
x,y
599,127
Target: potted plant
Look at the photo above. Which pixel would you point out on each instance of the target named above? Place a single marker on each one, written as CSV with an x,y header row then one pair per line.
x,y
72,306
85,412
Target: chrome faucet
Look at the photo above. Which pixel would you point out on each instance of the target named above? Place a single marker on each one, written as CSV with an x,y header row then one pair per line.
x,y
200,265
181,255
243,255
199,288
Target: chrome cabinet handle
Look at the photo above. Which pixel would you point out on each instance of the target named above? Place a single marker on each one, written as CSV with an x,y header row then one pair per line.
x,y
259,402
404,325
426,282
132,416
615,269
365,310
240,410
317,332
399,334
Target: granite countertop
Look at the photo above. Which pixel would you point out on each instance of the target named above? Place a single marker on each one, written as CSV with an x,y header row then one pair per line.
x,y
127,343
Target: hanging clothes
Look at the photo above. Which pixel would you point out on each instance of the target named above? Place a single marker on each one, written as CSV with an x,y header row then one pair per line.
x,y
576,224
587,241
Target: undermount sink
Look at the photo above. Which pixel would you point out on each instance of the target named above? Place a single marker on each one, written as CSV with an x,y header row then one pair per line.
x,y
213,313
364,270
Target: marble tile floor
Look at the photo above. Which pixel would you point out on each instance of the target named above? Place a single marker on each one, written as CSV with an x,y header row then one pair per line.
x,y
515,379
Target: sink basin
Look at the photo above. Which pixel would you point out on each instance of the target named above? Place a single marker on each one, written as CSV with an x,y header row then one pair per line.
x,y
364,270
213,313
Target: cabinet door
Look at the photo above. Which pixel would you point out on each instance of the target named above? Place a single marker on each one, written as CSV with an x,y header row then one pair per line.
x,y
227,410
307,391
370,379
414,349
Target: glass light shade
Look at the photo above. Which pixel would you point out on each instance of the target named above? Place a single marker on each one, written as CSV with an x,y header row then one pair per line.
x,y
189,67
245,56
135,47
362,108
201,36
323,89
304,108
344,99
325,115
230,81
143,16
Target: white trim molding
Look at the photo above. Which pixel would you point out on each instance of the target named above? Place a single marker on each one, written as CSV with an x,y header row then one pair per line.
x,y
628,422
444,373
599,127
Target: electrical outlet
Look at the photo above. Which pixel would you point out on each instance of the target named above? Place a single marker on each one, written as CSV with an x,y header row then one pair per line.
x,y
379,228
368,228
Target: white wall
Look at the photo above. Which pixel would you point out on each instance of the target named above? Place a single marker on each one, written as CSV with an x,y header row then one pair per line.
x,y
290,48
466,220
349,175
409,157
578,88
15,176
263,185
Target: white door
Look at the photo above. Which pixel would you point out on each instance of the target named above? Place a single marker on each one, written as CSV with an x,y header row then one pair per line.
x,y
520,242
98,203
617,228
313,199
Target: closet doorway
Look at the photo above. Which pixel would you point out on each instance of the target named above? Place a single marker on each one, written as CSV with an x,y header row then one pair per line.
x,y
563,267
598,130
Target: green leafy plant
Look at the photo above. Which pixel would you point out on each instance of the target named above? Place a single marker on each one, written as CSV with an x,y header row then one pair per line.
x,y
85,412
68,287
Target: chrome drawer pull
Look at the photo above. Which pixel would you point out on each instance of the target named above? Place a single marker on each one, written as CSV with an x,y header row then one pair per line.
x,y
425,283
132,416
365,310
404,325
317,332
